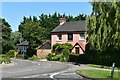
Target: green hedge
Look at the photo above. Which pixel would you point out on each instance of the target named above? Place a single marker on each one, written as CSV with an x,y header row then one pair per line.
x,y
5,58
79,58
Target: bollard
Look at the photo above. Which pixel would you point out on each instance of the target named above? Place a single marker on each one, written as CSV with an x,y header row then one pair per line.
x,y
112,71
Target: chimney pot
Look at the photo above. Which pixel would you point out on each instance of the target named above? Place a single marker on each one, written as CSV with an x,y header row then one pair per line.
x,y
62,21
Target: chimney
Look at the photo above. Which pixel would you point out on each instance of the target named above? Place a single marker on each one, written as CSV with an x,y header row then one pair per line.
x,y
62,21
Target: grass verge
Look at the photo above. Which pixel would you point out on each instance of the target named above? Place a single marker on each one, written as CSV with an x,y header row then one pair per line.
x,y
98,74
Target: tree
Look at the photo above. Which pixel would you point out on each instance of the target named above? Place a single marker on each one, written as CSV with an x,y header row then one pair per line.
x,y
6,31
16,38
32,31
103,29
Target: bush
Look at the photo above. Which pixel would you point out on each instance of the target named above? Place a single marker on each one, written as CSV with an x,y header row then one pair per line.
x,y
5,58
60,52
11,53
50,56
34,57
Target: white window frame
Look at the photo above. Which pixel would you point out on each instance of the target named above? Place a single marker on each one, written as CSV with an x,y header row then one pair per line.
x,y
81,37
58,37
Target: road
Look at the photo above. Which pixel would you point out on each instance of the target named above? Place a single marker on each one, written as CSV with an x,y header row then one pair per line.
x,y
49,70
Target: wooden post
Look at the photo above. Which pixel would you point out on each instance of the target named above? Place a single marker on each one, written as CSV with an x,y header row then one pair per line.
x,y
112,71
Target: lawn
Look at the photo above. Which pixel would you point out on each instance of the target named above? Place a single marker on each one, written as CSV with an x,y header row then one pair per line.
x,y
98,73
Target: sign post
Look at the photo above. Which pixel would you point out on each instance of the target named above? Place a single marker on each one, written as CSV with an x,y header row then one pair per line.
x,y
112,71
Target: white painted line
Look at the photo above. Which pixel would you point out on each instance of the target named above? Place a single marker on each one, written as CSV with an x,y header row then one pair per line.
x,y
51,76
44,74
31,76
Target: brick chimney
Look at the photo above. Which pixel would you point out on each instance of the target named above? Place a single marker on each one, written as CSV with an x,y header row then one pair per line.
x,y
62,21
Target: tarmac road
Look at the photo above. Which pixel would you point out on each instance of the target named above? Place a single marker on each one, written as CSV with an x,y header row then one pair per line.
x,y
40,70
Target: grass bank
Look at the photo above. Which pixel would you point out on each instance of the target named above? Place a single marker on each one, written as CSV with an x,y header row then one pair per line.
x,y
99,74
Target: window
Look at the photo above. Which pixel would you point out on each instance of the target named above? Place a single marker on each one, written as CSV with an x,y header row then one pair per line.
x,y
82,36
70,36
59,37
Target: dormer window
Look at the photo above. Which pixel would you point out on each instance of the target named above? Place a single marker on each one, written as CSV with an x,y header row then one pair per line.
x,y
82,36
59,37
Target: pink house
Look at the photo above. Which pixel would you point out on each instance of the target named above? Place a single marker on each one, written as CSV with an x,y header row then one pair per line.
x,y
73,32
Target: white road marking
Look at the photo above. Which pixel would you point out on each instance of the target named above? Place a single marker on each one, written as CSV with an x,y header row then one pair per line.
x,y
31,76
52,75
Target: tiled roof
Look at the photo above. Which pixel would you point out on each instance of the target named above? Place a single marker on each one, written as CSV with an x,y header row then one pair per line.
x,y
71,26
24,43
45,45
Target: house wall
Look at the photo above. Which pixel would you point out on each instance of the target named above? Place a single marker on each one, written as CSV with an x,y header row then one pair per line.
x,y
42,53
76,39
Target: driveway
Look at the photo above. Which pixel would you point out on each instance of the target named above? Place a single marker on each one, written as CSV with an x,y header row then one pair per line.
x,y
50,70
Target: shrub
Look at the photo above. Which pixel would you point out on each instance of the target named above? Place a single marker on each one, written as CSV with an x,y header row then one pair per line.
x,y
34,57
60,52
65,54
5,58
11,53
50,56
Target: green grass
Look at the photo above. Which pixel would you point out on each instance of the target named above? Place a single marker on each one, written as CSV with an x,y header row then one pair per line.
x,y
101,66
98,73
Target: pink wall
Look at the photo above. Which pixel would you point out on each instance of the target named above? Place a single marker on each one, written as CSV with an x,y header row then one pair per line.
x,y
76,39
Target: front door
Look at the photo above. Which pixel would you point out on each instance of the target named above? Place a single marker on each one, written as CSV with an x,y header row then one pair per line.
x,y
77,50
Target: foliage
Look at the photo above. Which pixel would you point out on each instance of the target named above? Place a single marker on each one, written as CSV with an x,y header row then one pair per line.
x,y
11,53
16,38
50,56
103,32
32,31
5,58
6,31
34,57
60,52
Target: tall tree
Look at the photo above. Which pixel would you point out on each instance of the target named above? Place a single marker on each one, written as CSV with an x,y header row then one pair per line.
x,y
103,28
31,31
16,38
6,31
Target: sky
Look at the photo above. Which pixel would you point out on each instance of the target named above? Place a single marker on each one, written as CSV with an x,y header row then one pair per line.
x,y
14,12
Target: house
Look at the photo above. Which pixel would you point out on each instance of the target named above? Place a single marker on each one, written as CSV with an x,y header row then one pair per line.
x,y
44,49
73,32
23,47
